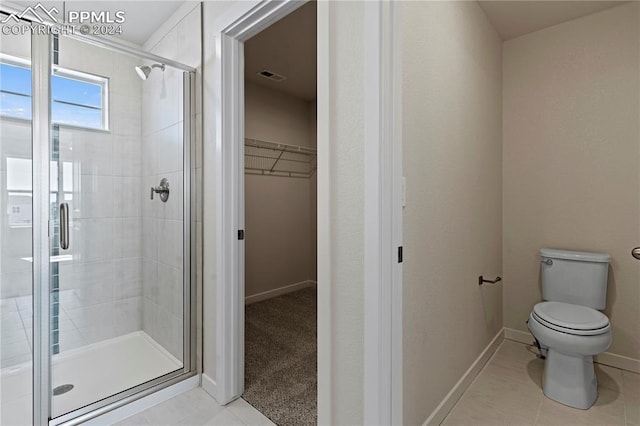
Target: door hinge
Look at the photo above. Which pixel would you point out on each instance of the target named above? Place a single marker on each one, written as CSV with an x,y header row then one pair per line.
x,y
400,254
241,234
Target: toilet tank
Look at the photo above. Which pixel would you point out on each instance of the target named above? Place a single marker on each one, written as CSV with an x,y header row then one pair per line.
x,y
575,277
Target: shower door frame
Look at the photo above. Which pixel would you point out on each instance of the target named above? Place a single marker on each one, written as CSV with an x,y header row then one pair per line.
x,y
41,66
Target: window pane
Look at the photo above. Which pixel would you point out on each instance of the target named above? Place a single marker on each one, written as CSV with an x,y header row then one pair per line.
x,y
67,176
18,174
15,79
53,176
75,91
76,115
75,101
15,106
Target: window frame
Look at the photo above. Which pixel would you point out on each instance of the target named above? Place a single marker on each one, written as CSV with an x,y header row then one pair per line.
x,y
69,74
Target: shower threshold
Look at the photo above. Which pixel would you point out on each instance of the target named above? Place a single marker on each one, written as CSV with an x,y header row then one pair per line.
x,y
96,371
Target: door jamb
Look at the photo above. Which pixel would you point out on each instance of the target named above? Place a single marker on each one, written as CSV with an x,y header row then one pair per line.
x,y
229,140
383,216
383,221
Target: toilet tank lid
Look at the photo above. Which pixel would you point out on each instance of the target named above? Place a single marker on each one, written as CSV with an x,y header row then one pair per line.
x,y
580,256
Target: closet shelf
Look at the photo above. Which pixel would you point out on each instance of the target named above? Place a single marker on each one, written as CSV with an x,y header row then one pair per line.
x,y
278,159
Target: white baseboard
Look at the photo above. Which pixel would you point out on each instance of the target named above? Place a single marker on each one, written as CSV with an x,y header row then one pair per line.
x,y
145,403
278,291
449,401
209,385
605,358
618,361
518,336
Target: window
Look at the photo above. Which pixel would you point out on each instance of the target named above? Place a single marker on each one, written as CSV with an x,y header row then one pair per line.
x,y
19,188
79,99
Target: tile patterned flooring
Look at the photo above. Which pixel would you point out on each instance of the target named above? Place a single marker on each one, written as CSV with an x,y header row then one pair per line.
x,y
16,327
15,331
197,408
508,391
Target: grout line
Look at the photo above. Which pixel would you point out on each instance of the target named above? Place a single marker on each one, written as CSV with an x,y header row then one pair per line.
x,y
624,403
24,329
535,422
473,381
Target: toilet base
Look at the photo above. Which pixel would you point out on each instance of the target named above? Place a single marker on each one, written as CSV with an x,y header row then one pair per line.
x,y
570,380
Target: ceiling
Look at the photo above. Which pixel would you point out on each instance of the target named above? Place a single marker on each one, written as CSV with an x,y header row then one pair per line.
x,y
142,18
288,48
515,18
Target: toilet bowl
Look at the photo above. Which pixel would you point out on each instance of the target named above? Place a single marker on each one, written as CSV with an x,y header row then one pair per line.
x,y
570,335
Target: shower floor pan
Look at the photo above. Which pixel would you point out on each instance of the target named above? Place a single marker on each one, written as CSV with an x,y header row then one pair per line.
x,y
96,371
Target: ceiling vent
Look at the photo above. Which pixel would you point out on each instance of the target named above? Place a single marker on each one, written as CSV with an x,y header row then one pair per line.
x,y
272,75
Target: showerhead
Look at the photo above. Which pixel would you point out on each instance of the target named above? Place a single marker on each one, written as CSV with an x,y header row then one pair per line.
x,y
144,70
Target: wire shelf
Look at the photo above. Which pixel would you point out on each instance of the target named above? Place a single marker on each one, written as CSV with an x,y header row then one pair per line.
x,y
278,159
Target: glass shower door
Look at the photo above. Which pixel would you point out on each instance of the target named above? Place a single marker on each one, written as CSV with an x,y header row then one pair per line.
x,y
16,230
117,281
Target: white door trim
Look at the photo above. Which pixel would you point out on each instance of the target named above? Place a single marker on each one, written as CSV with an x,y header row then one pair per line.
x,y
325,309
383,224
383,219
398,201
229,165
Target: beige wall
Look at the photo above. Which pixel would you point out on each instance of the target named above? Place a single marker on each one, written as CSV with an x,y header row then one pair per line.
x,y
278,217
452,223
274,116
277,223
571,164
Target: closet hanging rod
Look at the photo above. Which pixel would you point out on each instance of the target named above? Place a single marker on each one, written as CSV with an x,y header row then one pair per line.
x,y
277,173
256,143
292,160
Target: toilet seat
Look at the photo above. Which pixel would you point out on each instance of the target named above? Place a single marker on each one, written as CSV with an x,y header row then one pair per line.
x,y
571,319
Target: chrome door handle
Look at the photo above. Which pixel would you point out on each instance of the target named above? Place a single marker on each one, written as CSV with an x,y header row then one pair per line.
x,y
636,253
64,226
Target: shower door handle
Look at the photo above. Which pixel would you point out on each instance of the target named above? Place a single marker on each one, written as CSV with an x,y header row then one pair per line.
x,y
64,226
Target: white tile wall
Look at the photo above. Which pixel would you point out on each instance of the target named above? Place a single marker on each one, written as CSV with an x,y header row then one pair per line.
x,y
15,242
126,273
163,222
101,287
104,281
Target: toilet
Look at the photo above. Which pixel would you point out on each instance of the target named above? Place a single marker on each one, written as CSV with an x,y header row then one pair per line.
x,y
568,325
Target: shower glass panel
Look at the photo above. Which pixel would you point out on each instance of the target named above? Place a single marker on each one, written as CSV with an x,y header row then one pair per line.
x,y
16,256
117,276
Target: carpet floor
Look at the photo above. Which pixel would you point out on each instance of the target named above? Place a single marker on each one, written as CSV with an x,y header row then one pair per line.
x,y
280,358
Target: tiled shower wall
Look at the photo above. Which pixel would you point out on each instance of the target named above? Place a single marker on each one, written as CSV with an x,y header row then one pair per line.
x,y
101,287
162,130
126,271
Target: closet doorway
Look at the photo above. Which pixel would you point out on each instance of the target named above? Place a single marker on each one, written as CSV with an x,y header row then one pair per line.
x,y
280,192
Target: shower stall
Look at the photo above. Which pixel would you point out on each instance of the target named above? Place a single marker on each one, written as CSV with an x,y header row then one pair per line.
x,y
96,272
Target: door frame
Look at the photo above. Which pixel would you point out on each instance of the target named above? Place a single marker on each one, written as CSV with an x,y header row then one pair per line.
x,y
382,206
41,59
383,201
